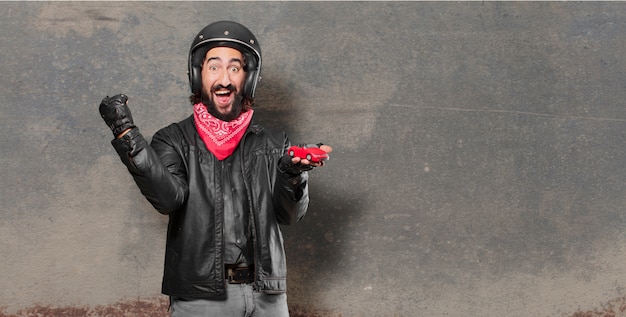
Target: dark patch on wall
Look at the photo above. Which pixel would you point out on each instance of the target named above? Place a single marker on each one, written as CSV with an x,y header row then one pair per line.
x,y
156,307
153,307
614,308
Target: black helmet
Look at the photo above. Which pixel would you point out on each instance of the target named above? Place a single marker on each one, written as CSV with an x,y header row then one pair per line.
x,y
229,34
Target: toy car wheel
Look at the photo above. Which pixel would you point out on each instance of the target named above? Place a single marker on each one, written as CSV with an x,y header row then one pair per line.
x,y
309,157
292,153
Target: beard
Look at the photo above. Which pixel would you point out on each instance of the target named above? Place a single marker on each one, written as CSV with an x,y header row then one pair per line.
x,y
234,112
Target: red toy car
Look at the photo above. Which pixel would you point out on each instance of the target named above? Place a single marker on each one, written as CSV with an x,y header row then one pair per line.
x,y
311,152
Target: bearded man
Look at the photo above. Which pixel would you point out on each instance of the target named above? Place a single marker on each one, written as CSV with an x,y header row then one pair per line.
x,y
224,180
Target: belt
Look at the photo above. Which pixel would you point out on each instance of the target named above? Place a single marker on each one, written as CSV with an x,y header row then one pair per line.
x,y
238,275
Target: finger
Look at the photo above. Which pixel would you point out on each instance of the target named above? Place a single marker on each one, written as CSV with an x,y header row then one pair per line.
x,y
118,99
326,148
314,164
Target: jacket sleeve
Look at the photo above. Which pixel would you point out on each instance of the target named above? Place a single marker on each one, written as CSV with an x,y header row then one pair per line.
x,y
158,169
291,194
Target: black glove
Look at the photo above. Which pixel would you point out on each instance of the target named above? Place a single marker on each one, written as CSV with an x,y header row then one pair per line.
x,y
116,114
286,166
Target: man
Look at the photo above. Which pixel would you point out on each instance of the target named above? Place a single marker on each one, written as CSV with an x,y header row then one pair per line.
x,y
224,181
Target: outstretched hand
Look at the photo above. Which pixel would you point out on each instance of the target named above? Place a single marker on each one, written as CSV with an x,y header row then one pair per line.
x,y
295,160
304,161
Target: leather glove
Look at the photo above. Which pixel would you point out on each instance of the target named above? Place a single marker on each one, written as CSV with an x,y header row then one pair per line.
x,y
116,114
286,166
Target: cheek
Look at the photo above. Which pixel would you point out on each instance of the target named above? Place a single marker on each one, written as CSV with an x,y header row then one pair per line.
x,y
206,79
239,82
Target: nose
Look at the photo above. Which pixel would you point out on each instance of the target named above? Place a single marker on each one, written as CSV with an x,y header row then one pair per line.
x,y
224,78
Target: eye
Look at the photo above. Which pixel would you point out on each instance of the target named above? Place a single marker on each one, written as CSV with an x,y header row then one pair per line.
x,y
234,69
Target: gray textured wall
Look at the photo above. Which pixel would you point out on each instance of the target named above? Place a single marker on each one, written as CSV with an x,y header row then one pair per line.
x,y
478,166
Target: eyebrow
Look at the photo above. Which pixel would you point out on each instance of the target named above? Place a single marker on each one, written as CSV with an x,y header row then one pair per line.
x,y
219,59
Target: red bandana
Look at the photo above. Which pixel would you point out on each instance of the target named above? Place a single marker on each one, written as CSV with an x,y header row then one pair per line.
x,y
220,137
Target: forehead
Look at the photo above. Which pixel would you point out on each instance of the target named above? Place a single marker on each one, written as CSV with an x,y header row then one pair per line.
x,y
224,53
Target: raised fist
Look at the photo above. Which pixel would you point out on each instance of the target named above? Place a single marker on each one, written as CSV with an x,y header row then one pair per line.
x,y
116,114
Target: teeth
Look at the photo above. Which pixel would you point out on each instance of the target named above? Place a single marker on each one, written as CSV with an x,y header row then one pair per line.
x,y
222,92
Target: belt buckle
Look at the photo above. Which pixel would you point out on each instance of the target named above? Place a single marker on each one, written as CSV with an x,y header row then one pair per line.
x,y
239,275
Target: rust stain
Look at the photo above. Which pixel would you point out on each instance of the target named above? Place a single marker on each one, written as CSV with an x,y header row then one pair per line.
x,y
158,307
296,311
155,307
614,308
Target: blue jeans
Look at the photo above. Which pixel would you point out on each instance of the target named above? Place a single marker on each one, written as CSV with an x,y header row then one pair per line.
x,y
241,301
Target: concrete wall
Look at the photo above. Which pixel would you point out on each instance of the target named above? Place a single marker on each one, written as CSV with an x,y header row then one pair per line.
x,y
478,166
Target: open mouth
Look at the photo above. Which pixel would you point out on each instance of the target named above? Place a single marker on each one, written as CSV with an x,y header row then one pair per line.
x,y
223,94
220,90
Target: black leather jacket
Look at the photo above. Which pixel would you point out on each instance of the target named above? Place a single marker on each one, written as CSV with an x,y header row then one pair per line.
x,y
178,175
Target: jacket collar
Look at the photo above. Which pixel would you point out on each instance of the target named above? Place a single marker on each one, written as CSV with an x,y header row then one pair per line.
x,y
254,127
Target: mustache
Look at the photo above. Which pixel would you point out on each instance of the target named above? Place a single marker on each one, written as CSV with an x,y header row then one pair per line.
x,y
230,87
